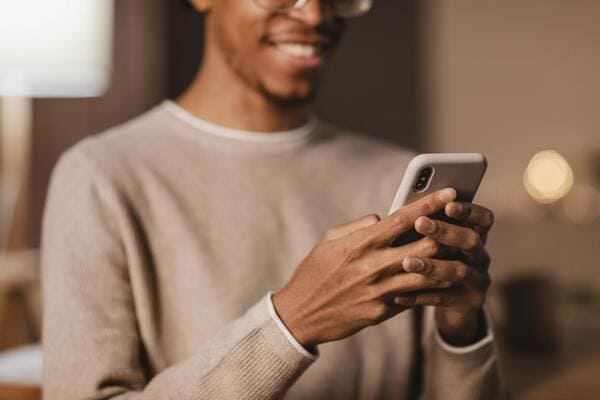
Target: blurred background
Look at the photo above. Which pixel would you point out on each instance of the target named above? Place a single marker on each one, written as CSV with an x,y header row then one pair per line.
x,y
516,80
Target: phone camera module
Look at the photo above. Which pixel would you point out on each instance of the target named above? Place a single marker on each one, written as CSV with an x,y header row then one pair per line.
x,y
423,179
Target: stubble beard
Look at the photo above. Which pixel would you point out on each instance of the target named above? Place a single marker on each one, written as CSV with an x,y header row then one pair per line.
x,y
277,99
289,101
254,83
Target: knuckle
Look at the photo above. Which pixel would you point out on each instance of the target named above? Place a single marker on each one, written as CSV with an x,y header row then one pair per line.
x,y
377,311
431,205
363,242
364,269
473,241
462,270
430,247
428,267
400,219
374,292
372,218
358,242
351,254
438,228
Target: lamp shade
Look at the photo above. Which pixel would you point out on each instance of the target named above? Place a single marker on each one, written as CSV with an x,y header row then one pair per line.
x,y
55,48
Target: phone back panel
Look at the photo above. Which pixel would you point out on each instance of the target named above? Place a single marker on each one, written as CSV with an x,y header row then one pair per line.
x,y
461,171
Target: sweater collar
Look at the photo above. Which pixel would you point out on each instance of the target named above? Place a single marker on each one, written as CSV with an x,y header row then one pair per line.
x,y
208,127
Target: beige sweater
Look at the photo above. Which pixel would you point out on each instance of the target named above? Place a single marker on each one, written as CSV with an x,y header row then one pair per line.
x,y
163,236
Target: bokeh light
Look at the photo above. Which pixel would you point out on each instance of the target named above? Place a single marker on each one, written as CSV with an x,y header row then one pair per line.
x,y
548,177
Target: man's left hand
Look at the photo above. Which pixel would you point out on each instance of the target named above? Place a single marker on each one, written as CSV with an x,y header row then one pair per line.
x,y
458,308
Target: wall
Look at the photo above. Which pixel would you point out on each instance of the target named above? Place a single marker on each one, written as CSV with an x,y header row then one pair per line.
x,y
374,82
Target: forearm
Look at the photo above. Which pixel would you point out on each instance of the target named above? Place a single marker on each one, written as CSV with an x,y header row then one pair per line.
x,y
249,359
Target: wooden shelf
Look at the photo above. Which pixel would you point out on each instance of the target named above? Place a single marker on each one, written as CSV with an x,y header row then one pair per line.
x,y
20,392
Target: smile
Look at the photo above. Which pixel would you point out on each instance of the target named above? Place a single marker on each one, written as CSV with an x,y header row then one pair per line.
x,y
301,50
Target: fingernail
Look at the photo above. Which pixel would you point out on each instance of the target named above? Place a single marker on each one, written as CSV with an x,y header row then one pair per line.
x,y
445,284
460,209
414,264
426,225
458,212
447,195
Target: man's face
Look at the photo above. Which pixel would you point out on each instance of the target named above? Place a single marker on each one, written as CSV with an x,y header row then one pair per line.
x,y
280,55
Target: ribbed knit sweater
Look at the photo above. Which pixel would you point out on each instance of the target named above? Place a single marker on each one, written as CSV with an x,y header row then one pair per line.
x,y
162,238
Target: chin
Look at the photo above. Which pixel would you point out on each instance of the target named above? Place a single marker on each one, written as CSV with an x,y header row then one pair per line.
x,y
290,95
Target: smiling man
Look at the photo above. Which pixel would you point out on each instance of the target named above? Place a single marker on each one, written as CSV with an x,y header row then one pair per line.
x,y
228,245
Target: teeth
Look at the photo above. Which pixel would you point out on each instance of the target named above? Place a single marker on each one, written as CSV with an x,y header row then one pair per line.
x,y
297,49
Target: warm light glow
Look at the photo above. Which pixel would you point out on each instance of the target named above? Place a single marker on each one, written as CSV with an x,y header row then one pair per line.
x,y
55,48
548,177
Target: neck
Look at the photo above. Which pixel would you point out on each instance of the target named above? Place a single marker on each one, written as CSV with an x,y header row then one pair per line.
x,y
219,96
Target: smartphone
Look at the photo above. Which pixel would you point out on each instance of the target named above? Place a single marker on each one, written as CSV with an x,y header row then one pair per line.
x,y
427,173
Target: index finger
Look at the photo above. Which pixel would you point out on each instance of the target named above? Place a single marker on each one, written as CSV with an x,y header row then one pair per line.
x,y
385,231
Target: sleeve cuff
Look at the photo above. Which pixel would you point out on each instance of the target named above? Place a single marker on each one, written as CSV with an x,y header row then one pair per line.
x,y
488,338
286,332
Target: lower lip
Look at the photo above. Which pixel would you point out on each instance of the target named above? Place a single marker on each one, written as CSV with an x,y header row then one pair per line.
x,y
299,62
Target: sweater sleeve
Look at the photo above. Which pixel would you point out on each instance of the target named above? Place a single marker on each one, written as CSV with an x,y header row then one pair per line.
x,y
449,373
92,346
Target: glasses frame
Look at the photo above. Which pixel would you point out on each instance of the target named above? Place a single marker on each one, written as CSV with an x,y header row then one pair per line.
x,y
301,3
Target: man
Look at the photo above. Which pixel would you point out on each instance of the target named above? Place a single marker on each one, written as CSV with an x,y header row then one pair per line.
x,y
163,238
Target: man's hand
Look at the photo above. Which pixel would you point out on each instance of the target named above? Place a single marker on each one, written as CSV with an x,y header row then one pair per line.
x,y
459,306
349,279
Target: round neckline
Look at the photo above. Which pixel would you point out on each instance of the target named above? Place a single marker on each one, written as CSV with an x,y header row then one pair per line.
x,y
221,131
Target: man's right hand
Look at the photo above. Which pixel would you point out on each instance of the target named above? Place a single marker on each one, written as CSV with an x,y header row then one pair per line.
x,y
349,279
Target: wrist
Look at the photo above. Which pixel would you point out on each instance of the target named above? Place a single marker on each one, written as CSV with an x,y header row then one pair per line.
x,y
460,328
291,318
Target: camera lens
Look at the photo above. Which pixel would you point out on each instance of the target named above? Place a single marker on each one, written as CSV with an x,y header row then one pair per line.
x,y
423,179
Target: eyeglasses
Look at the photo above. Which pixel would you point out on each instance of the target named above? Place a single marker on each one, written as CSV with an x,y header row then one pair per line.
x,y
341,8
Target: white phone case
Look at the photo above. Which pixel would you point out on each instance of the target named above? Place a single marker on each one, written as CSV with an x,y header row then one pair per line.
x,y
461,171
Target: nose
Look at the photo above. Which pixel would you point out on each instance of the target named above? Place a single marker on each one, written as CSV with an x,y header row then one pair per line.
x,y
314,12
